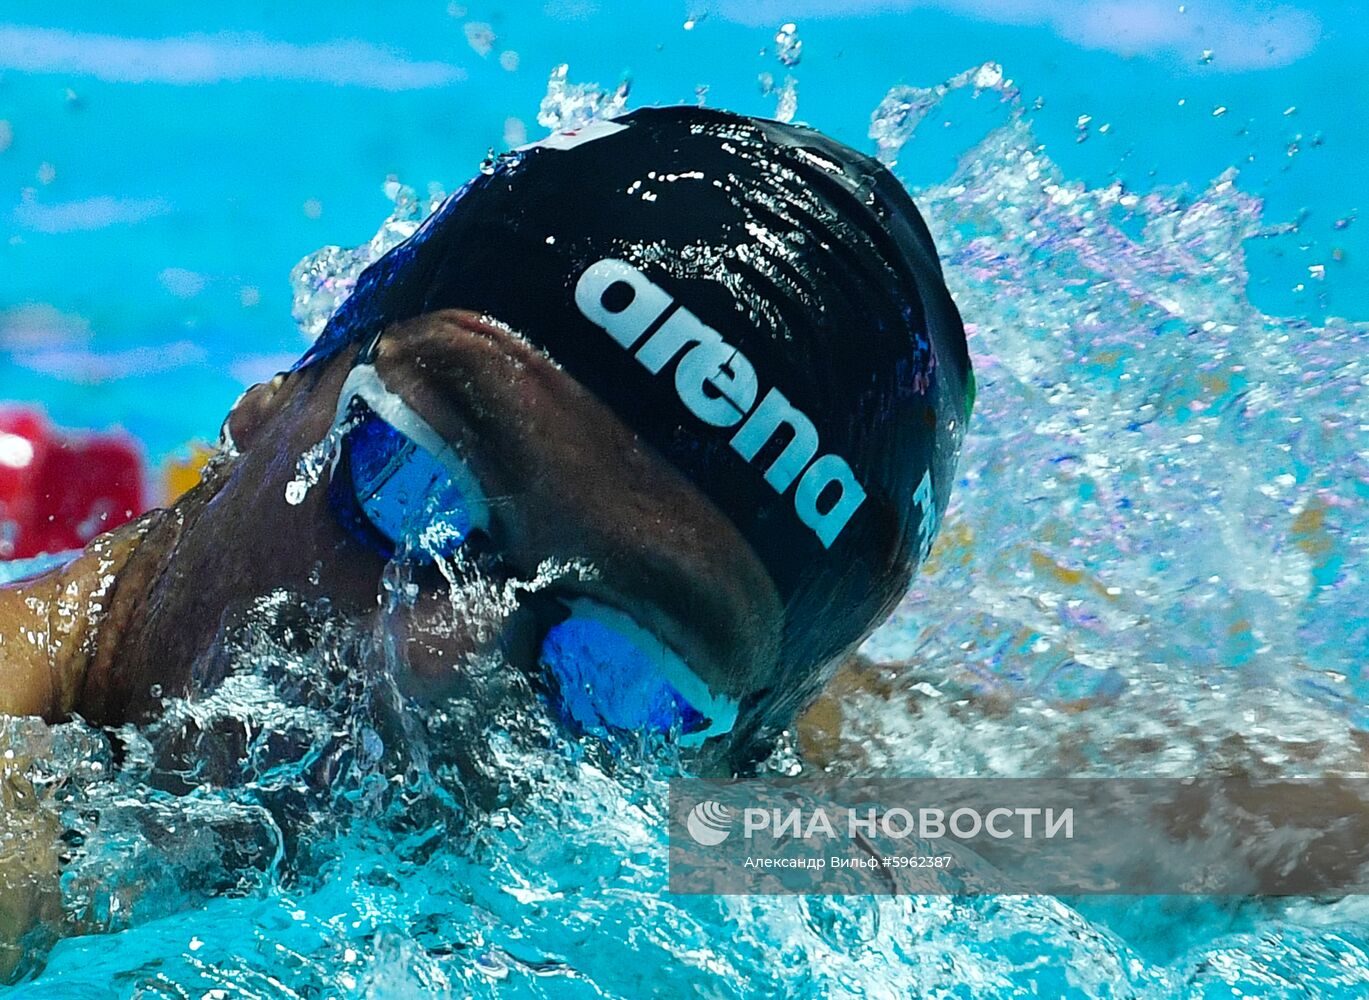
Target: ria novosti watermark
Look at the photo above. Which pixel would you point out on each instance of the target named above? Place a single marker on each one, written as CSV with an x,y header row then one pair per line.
x,y
1061,836
709,822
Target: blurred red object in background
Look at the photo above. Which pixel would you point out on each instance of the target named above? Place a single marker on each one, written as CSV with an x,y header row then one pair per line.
x,y
59,489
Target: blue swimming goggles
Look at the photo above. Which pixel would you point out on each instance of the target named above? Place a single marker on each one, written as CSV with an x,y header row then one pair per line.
x,y
402,489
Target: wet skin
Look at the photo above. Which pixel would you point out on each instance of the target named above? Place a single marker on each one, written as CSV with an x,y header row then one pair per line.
x,y
567,482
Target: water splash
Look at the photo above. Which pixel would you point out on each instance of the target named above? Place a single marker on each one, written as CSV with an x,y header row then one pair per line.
x,y
786,95
789,51
901,111
319,458
787,100
568,106
325,278
1174,586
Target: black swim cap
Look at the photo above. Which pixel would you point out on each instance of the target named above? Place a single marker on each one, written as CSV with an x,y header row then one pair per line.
x,y
761,304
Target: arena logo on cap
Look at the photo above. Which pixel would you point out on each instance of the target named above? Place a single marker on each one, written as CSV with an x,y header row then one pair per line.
x,y
626,305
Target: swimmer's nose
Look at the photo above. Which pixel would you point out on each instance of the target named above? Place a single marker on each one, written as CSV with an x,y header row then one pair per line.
x,y
525,629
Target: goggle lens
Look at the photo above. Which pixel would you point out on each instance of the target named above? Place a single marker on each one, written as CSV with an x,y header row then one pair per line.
x,y
606,679
613,674
407,495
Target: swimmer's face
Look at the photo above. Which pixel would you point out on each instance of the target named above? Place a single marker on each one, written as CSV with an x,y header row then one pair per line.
x,y
567,484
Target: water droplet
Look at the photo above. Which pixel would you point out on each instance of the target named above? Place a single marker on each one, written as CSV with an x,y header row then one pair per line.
x,y
515,132
372,746
312,464
491,964
480,37
787,102
788,47
988,76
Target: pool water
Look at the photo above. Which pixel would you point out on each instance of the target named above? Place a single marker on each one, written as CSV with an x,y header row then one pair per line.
x,y
1152,566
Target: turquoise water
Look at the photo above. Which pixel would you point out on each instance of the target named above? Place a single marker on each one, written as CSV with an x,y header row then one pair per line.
x,y
1153,564
222,178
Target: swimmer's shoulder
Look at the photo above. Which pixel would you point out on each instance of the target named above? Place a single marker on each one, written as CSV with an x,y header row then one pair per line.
x,y
50,624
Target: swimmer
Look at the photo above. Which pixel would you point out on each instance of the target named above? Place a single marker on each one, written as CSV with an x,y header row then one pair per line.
x,y
698,372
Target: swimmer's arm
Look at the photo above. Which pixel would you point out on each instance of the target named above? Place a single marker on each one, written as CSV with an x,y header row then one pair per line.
x,y
30,887
47,630
27,682
49,626
53,627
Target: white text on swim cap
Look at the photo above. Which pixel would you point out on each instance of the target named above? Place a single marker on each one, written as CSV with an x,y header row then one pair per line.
x,y
630,312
